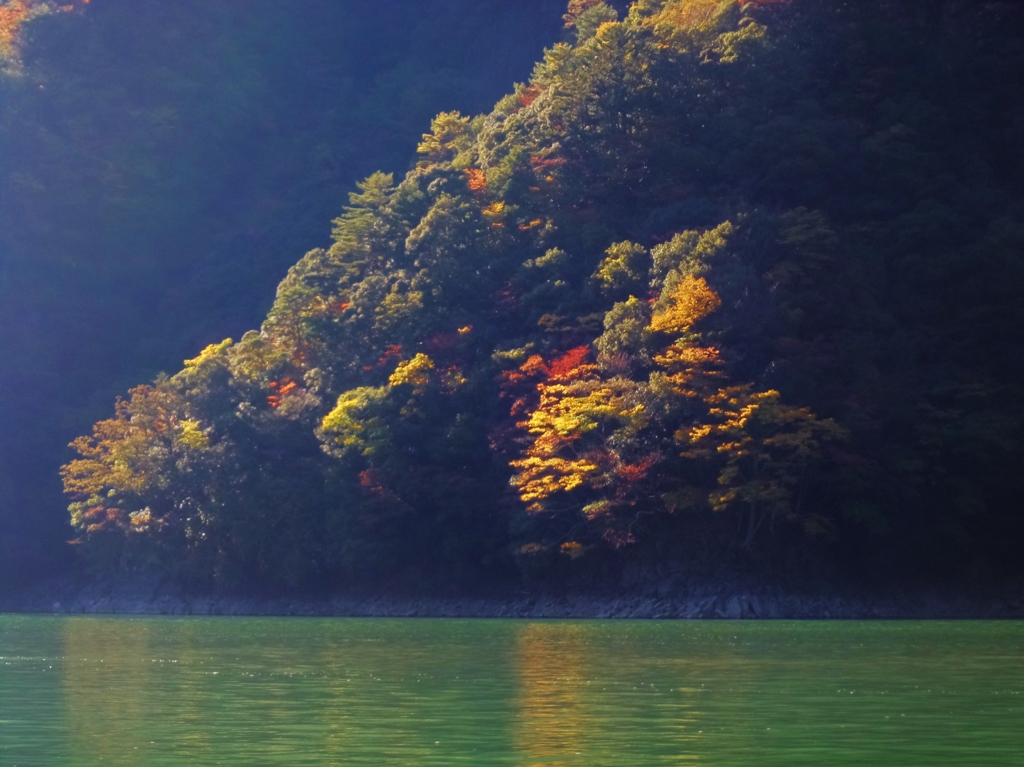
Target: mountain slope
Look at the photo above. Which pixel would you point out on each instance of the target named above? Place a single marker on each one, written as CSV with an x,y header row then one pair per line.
x,y
720,278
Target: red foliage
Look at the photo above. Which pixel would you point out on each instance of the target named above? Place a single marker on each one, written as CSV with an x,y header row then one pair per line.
x,y
506,299
618,538
529,95
392,352
634,472
518,407
568,366
541,165
441,342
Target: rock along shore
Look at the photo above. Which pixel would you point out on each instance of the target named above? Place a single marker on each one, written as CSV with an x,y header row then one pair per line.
x,y
701,602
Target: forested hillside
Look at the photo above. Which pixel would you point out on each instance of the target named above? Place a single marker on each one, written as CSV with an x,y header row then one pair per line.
x,y
719,282
163,163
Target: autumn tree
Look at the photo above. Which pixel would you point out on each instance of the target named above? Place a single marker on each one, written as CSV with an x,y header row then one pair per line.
x,y
766,450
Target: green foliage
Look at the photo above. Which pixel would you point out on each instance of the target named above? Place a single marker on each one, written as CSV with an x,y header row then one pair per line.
x,y
353,228
625,340
590,20
624,267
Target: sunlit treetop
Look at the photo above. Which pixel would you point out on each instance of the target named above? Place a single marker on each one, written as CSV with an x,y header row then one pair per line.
x,y
14,14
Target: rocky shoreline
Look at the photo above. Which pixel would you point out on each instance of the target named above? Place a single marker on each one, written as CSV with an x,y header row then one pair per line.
x,y
695,603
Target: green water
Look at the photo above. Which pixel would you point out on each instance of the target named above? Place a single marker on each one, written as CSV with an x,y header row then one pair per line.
x,y
232,691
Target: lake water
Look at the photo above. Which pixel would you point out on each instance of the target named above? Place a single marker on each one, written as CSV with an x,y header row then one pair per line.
x,y
237,691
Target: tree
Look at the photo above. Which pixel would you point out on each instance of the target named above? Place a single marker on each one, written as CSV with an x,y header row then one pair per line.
x,y
766,450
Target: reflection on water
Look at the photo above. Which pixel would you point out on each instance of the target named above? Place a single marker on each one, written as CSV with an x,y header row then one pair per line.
x,y
552,725
105,679
584,700
77,692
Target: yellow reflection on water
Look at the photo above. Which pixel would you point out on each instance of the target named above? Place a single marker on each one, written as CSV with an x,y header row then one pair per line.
x,y
552,723
585,700
104,688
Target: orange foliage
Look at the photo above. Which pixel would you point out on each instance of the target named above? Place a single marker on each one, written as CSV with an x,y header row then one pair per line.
x,y
95,511
476,180
15,13
11,18
533,365
281,389
689,301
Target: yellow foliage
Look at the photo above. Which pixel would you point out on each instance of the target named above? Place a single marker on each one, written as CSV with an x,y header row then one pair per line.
x,y
452,379
540,478
764,444
347,424
191,435
598,508
140,520
692,15
209,354
414,372
449,134
557,460
495,209
688,301
572,549
689,364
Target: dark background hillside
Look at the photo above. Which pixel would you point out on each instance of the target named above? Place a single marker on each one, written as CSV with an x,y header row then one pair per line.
x,y
162,164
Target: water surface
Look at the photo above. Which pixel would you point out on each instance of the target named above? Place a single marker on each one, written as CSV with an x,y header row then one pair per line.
x,y
77,691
